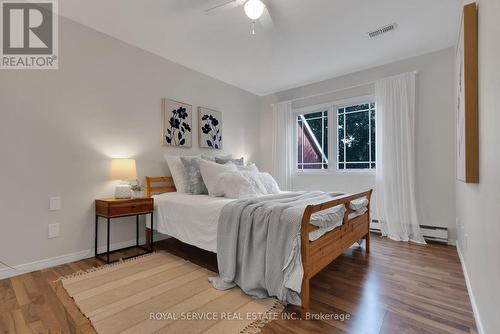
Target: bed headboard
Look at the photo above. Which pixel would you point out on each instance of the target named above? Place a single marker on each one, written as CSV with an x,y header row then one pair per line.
x,y
151,189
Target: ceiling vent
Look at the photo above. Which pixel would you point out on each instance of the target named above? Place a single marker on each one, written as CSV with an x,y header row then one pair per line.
x,y
382,30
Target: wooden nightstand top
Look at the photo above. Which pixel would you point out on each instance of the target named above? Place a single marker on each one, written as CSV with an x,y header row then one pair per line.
x,y
117,200
117,207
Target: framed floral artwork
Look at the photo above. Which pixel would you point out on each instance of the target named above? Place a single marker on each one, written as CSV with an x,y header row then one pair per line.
x,y
176,123
210,124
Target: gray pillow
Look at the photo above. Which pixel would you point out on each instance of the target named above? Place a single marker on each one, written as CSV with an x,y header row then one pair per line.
x,y
237,162
212,158
195,184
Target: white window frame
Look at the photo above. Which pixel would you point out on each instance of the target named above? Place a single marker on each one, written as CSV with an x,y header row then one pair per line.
x,y
307,110
333,151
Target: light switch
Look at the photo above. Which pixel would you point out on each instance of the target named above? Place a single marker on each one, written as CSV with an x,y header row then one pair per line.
x,y
54,203
53,231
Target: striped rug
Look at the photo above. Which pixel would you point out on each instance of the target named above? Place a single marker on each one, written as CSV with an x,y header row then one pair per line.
x,y
161,293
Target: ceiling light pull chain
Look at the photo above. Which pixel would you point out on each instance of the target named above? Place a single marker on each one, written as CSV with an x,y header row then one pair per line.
x,y
254,10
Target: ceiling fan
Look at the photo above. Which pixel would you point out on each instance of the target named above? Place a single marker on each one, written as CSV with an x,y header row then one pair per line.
x,y
254,9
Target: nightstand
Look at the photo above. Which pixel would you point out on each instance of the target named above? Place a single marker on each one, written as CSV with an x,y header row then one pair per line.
x,y
110,208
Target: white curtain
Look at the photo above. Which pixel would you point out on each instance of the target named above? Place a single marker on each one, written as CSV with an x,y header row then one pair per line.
x,y
395,175
283,144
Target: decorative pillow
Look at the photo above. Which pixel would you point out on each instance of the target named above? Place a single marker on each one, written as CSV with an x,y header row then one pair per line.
x,y
195,184
210,172
238,184
248,168
235,185
178,173
264,182
256,182
238,162
269,183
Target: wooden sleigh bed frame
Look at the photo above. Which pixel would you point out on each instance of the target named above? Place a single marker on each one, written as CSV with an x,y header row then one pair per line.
x,y
316,254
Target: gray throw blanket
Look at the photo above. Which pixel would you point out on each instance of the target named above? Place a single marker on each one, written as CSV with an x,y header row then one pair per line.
x,y
258,244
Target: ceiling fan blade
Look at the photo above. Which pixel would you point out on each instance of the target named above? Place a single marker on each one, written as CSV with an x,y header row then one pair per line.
x,y
228,4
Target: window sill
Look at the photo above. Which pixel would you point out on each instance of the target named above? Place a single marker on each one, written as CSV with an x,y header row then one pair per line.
x,y
351,172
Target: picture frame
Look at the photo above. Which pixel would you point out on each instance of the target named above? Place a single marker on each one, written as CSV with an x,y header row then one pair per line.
x,y
177,123
467,145
210,128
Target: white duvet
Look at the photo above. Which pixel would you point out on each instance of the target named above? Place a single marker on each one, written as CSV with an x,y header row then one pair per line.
x,y
191,219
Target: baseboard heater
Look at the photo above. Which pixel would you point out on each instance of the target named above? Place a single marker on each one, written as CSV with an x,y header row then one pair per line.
x,y
431,233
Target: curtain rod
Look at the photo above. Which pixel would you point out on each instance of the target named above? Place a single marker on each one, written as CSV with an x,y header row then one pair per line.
x,y
341,89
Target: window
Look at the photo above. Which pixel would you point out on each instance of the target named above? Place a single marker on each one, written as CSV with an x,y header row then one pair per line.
x,y
350,147
356,136
312,140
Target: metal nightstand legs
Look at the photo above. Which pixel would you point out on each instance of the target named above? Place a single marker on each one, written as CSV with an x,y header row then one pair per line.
x,y
151,234
107,251
108,228
96,228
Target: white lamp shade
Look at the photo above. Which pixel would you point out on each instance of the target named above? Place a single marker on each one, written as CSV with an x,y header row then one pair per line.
x,y
254,9
123,169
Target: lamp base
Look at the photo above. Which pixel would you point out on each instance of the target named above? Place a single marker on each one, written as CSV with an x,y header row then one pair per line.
x,y
123,191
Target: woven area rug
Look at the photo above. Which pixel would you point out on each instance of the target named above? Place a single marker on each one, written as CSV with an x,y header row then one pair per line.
x,y
161,293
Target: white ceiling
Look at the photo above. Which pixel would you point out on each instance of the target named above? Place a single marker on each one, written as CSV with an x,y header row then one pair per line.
x,y
311,40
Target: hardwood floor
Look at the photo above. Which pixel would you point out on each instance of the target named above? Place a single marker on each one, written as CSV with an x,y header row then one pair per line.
x,y
397,288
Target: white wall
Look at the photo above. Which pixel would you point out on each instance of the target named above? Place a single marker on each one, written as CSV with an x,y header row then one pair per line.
x,y
478,204
59,129
435,172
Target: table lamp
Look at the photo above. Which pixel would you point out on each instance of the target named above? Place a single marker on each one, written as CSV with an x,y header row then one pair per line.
x,y
123,170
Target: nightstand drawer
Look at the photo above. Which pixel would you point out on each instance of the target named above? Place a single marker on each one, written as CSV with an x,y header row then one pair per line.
x,y
108,208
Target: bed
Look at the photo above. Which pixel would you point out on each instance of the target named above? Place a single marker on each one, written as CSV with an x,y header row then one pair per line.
x,y
193,219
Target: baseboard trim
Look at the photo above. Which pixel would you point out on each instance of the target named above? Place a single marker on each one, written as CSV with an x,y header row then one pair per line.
x,y
67,258
429,232
475,310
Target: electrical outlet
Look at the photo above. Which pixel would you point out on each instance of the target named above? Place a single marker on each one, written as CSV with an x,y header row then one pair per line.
x,y
466,242
54,203
54,231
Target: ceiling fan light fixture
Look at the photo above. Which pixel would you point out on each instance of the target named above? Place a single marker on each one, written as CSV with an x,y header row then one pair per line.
x,y
254,9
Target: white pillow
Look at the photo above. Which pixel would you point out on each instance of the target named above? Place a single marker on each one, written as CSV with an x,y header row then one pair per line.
x,y
263,181
269,183
210,172
178,172
234,185
256,182
238,184
248,168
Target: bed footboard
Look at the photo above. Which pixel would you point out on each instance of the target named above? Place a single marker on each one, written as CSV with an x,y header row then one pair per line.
x,y
318,254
